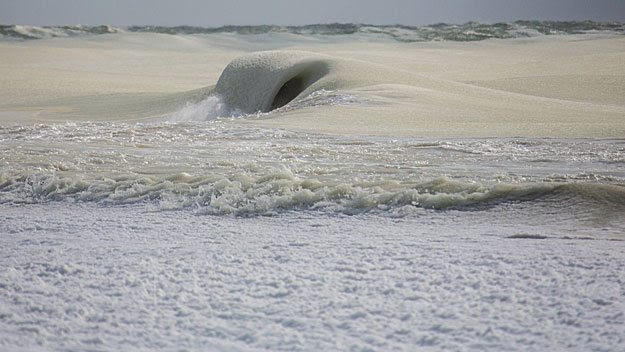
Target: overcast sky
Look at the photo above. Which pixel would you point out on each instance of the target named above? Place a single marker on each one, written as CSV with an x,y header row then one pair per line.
x,y
284,12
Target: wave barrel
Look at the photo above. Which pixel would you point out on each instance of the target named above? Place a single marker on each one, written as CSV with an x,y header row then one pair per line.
x,y
265,81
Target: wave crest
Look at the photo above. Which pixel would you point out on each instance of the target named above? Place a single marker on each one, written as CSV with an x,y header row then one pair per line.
x,y
264,81
281,190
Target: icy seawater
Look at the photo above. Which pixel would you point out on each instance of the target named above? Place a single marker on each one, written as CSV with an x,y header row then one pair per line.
x,y
221,166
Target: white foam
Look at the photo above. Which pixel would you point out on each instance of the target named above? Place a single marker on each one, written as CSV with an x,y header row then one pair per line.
x,y
209,108
213,106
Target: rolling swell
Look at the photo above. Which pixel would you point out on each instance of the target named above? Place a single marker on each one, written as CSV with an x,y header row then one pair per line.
x,y
281,190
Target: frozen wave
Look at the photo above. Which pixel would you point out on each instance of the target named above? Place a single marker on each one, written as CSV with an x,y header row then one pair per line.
x,y
264,81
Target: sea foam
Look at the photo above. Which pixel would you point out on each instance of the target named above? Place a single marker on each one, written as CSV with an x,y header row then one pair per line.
x,y
210,108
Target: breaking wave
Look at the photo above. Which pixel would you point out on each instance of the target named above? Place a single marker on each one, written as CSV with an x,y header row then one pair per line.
x,y
267,81
281,190
470,31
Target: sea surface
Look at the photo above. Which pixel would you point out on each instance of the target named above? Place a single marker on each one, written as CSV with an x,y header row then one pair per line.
x,y
469,31
201,230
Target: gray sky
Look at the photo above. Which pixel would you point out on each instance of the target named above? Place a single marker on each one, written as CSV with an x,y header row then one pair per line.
x,y
284,12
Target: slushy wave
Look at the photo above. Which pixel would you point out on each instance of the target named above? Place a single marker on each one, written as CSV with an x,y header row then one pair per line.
x,y
265,81
281,190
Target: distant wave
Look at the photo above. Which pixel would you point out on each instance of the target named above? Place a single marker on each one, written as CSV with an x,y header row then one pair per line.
x,y
470,31
34,32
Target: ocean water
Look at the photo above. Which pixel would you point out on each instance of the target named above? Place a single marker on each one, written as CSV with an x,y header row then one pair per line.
x,y
469,31
201,229
221,167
